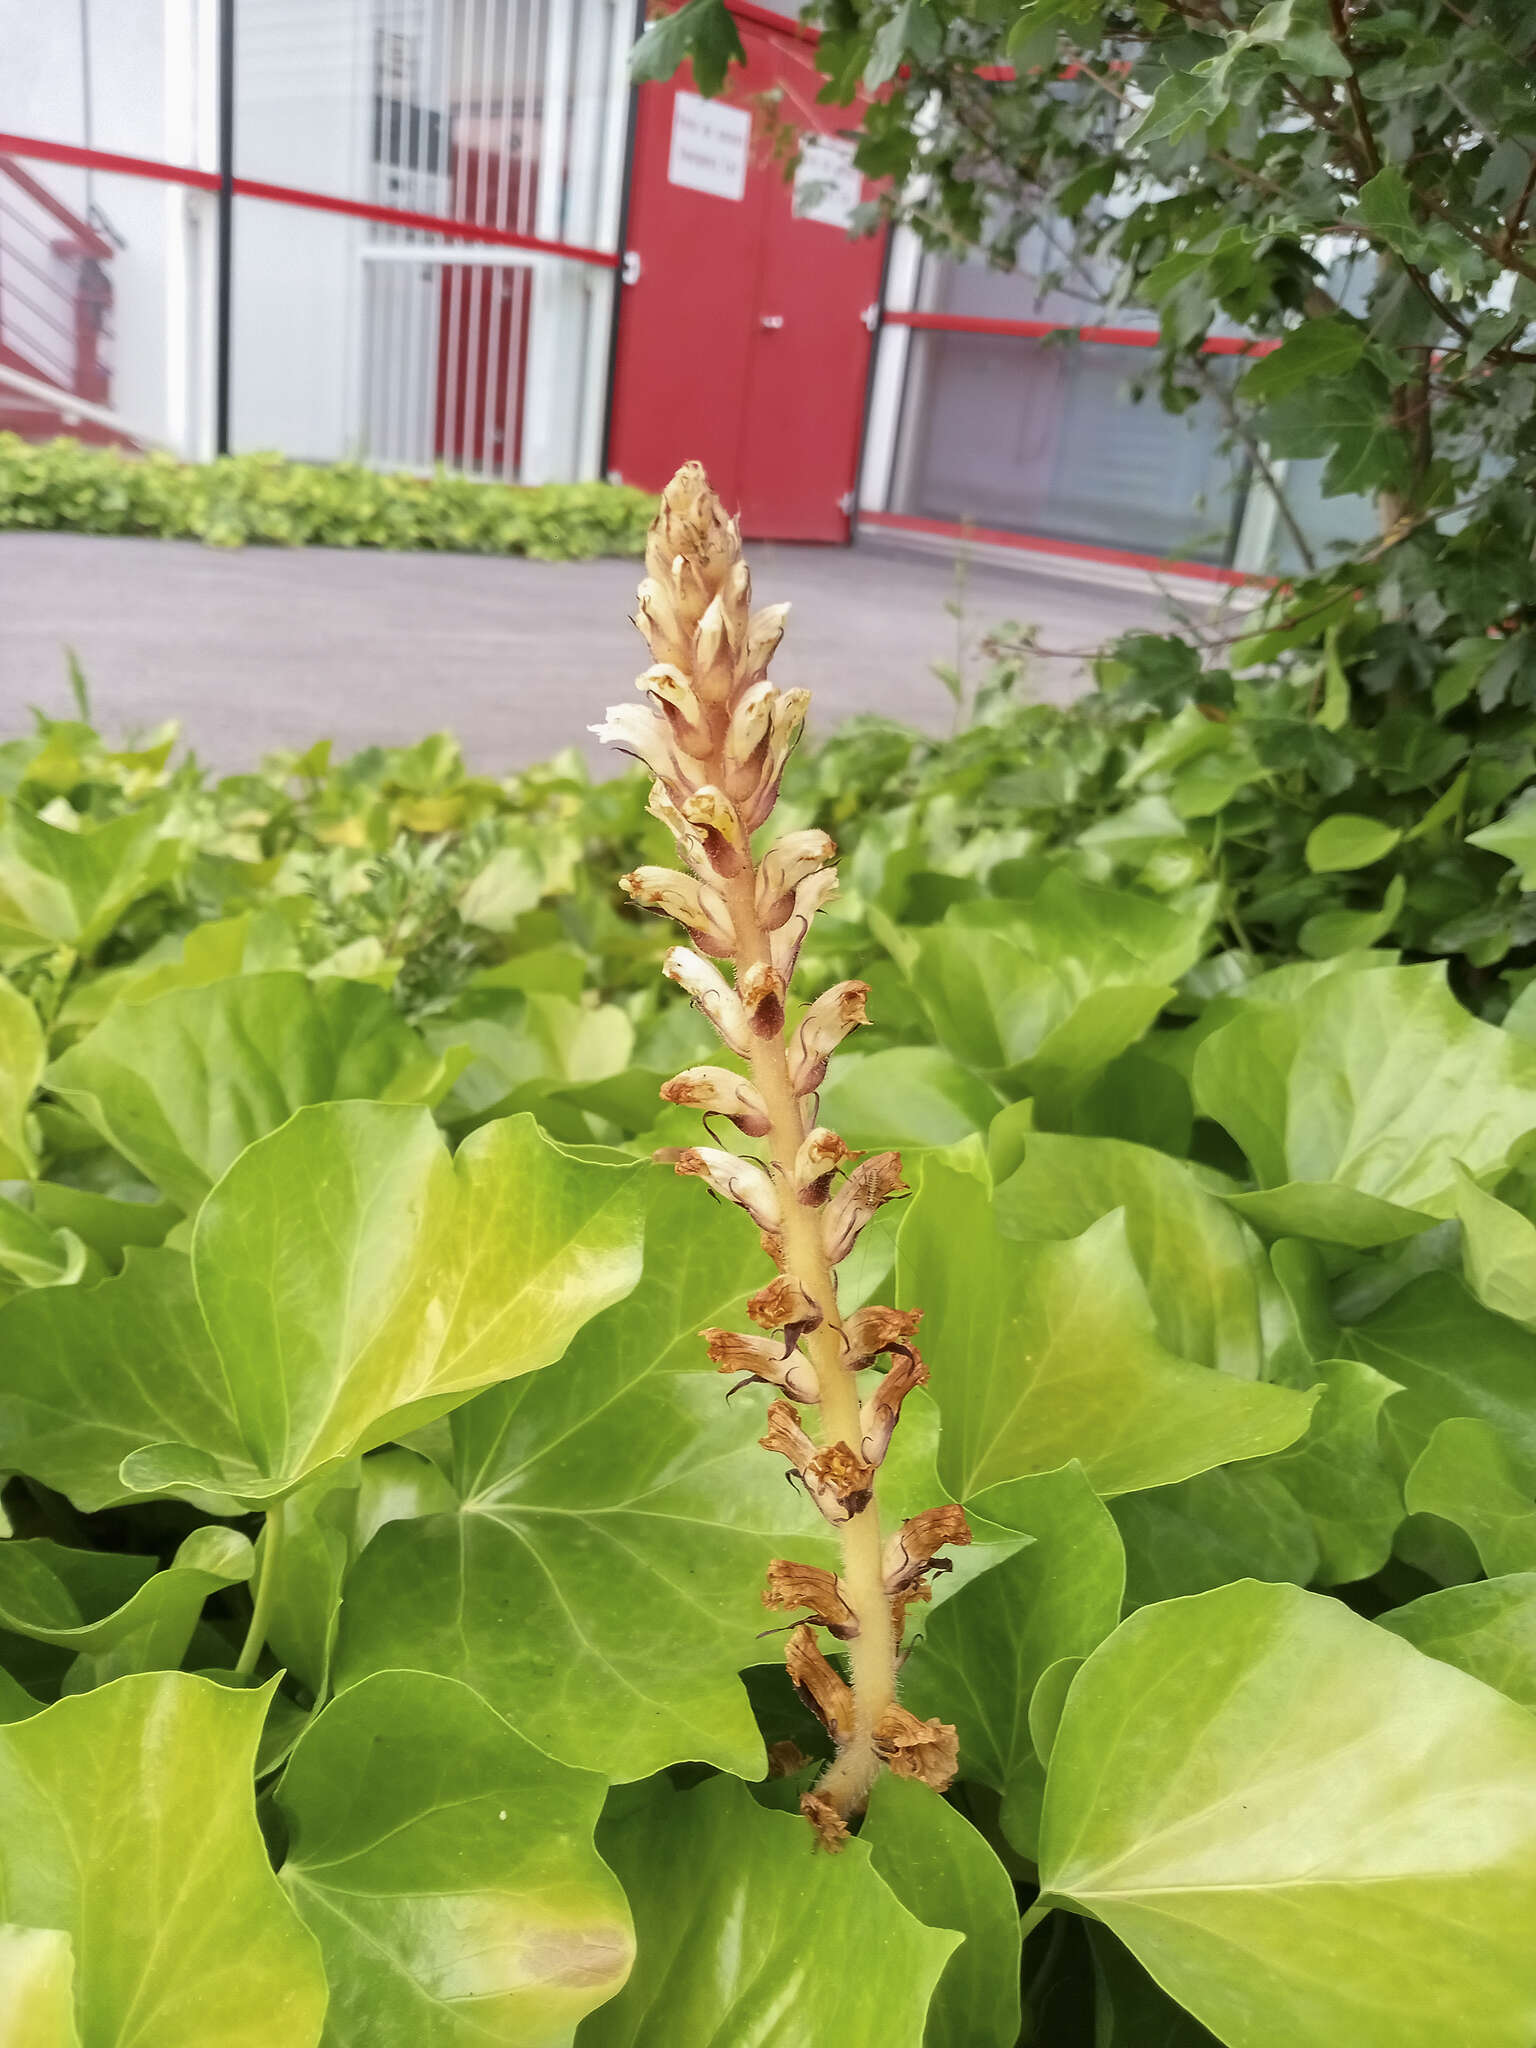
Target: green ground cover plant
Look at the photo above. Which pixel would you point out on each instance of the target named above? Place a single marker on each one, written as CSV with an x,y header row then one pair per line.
x,y
64,486
383,1655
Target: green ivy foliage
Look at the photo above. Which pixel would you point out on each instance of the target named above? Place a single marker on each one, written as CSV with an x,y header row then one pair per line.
x,y
64,486
379,1578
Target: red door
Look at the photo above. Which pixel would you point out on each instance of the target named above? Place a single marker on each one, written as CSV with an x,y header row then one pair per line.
x,y
744,339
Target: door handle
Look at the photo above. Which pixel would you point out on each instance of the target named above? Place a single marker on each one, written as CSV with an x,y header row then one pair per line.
x,y
771,319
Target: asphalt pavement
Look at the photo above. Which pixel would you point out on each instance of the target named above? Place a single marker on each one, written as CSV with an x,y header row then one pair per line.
x,y
268,647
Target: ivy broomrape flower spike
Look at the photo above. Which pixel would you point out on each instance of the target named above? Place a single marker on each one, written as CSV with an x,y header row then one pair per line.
x,y
716,735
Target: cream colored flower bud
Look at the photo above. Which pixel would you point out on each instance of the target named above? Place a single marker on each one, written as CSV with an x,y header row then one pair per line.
x,y
720,826
707,986
787,717
667,686
663,632
792,860
751,721
813,894
764,632
635,729
871,1184
692,903
822,1030
741,1181
692,545
717,1092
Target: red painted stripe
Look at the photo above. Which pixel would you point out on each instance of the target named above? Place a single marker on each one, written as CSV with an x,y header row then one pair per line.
x,y
1037,330
1041,544
452,227
397,216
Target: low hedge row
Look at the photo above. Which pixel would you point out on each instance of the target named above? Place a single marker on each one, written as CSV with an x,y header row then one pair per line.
x,y
64,486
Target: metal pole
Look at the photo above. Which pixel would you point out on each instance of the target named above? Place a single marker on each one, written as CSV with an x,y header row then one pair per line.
x,y
226,220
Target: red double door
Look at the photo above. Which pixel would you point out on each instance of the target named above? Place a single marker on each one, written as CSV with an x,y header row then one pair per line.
x,y
745,329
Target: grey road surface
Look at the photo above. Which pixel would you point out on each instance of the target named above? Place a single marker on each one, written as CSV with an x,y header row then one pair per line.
x,y
269,647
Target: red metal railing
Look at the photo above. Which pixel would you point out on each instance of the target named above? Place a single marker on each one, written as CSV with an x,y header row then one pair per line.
x,y
55,303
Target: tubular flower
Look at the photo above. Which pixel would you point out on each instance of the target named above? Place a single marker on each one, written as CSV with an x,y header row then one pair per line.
x,y
872,1183
741,1181
784,1305
822,1030
719,1093
871,1332
716,735
819,1592
836,1478
819,1686
710,993
694,904
913,1550
927,1750
816,1164
765,1361
882,1411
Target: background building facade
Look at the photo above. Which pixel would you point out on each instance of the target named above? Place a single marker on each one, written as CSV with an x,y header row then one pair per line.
x,y
459,238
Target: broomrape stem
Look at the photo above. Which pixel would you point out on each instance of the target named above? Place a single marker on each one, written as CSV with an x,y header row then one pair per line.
x,y
266,1587
872,1652
716,734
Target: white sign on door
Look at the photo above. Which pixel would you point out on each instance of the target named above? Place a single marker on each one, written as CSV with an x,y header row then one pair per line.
x,y
827,186
709,146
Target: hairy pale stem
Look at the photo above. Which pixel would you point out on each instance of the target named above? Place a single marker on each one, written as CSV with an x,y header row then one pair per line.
x,y
872,1652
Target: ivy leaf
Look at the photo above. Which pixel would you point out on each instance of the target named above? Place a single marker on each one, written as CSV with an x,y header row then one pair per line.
x,y
1338,1476
1043,1353
1487,1629
1451,1357
70,888
347,1282
152,1777
744,1930
23,1055
447,1870
983,1653
1465,1476
37,1988
183,1083
118,1613
1354,1102
703,30
1209,1283
1251,1783
1498,1251
1347,841
1514,835
1236,1522
906,1095
945,1872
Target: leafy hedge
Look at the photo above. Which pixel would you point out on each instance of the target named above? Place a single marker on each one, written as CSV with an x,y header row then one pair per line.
x,y
64,486
1229,1264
